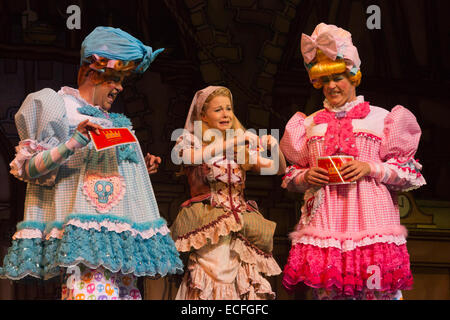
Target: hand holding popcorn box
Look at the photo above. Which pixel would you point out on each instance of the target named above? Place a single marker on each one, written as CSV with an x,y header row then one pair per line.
x,y
333,164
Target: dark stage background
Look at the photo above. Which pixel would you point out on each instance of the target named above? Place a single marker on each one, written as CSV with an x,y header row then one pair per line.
x,y
252,47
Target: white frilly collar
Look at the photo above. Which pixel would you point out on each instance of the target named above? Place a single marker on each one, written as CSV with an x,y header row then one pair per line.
x,y
345,107
76,94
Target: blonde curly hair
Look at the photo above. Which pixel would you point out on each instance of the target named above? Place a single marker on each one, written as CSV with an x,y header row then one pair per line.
x,y
324,66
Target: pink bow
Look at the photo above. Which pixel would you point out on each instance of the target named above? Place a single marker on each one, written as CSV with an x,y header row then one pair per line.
x,y
339,137
324,42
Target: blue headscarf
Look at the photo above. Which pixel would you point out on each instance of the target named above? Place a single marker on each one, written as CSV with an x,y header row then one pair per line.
x,y
116,44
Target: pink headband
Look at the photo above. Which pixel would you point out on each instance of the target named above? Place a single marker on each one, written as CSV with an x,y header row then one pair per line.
x,y
334,42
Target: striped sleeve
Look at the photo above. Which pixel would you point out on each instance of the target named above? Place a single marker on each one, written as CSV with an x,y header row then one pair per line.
x,y
294,179
48,160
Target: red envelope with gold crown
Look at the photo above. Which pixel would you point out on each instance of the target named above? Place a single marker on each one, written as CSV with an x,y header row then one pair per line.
x,y
112,137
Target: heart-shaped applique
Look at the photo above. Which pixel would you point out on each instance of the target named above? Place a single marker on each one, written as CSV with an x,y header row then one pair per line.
x,y
103,191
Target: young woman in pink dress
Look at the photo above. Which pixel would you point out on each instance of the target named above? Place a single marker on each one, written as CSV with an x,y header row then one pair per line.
x,y
349,243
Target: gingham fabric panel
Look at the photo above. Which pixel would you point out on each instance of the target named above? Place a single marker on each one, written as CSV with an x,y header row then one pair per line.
x,y
54,204
397,167
364,206
44,126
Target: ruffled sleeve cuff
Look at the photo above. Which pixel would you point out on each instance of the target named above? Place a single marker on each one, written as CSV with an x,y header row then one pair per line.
x,y
29,149
398,175
25,151
405,175
294,179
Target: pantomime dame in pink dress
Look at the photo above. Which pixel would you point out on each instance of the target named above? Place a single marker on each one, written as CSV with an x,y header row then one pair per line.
x,y
349,243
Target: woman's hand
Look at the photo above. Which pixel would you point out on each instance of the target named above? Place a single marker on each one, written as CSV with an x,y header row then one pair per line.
x,y
316,176
85,126
268,141
354,170
251,140
152,163
241,144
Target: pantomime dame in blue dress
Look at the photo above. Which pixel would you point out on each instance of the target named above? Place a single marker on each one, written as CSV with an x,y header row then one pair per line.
x,y
87,213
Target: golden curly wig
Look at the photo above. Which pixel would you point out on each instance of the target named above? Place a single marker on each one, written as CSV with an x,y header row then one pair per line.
x,y
324,66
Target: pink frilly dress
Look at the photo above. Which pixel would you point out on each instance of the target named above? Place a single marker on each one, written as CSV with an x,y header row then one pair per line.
x,y
228,241
351,233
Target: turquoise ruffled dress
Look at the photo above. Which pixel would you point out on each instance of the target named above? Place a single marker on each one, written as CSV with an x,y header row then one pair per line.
x,y
97,209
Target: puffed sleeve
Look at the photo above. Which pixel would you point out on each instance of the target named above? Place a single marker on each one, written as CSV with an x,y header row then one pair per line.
x,y
43,129
293,145
397,167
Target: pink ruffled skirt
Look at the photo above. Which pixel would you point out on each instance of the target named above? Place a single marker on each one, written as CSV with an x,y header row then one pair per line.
x,y
380,266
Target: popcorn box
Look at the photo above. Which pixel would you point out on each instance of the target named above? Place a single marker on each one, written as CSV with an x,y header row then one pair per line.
x,y
112,137
333,164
